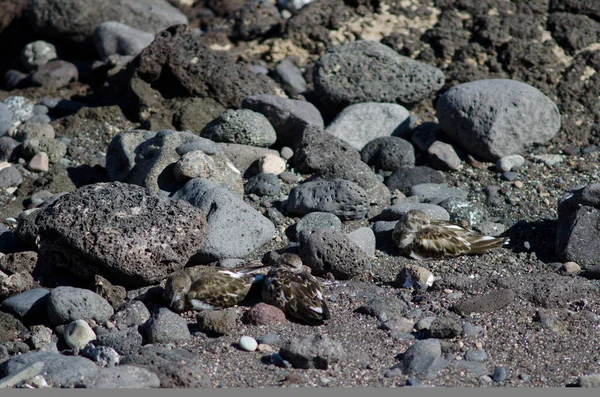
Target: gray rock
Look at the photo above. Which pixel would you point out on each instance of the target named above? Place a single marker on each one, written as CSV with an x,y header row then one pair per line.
x,y
478,355
384,308
54,149
461,209
289,117
359,124
33,130
59,370
123,376
315,149
406,177
340,197
23,375
220,322
499,374
194,164
491,228
29,306
120,231
361,174
77,334
12,329
112,37
495,118
471,366
14,79
41,336
55,74
124,341
471,330
245,158
313,351
159,355
67,304
445,327
383,233
146,159
365,239
263,184
592,380
6,117
327,250
548,290
435,193
256,18
21,108
396,211
166,327
10,176
318,220
8,146
243,126
37,53
423,358
131,314
384,76
228,219
443,156
486,303
510,163
102,355
424,323
76,20
290,77
388,153
578,238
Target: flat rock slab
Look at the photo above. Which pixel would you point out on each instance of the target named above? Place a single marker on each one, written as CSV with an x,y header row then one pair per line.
x,y
59,370
120,231
313,351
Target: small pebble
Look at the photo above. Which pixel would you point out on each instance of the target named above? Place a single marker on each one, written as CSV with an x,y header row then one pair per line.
x,y
510,176
518,184
286,152
248,343
499,374
570,268
39,163
264,348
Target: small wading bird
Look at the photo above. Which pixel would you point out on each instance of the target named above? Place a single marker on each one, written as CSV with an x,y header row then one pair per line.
x,y
208,288
419,237
292,289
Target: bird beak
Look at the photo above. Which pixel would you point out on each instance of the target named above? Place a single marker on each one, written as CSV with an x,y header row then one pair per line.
x,y
175,298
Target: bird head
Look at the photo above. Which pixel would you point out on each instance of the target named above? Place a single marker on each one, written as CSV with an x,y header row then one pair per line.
x,y
291,262
414,219
177,285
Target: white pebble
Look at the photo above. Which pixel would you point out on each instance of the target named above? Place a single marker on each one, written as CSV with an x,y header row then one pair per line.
x,y
271,164
248,343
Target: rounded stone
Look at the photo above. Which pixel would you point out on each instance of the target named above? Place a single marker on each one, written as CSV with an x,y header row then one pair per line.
x,y
194,164
316,221
263,185
242,126
248,343
264,314
510,163
271,164
388,153
78,334
495,118
37,53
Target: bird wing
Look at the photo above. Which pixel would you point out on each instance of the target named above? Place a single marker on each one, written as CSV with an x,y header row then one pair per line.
x,y
443,240
220,288
299,295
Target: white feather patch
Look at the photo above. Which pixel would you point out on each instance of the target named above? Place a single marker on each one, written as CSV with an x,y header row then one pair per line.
x,y
316,309
199,305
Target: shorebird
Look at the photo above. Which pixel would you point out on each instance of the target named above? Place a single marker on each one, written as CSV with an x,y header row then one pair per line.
x,y
419,237
208,288
290,287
